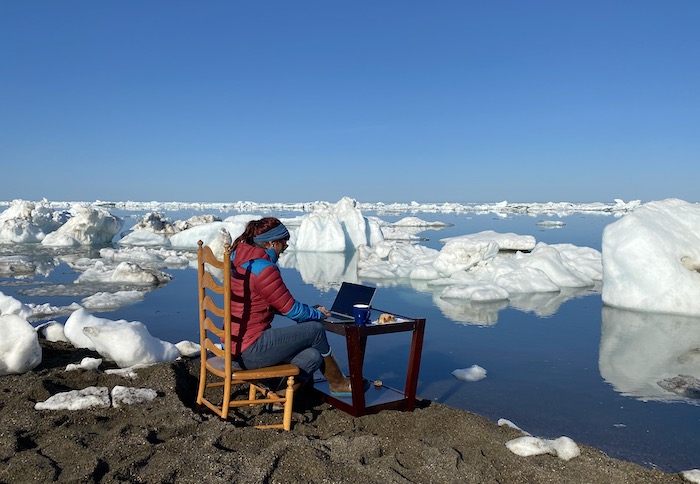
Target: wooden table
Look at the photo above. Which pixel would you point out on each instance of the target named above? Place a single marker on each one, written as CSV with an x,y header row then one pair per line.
x,y
366,400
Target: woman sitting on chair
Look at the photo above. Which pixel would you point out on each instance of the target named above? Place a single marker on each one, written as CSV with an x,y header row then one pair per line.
x,y
258,293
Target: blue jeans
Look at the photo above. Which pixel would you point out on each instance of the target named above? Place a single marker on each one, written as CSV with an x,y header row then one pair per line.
x,y
303,345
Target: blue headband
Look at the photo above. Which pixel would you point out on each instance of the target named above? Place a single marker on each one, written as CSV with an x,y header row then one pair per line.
x,y
275,233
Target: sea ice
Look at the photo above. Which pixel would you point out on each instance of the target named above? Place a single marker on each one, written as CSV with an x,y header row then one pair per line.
x,y
507,423
651,259
53,331
90,397
473,373
563,447
130,396
86,363
87,226
97,397
692,475
19,345
10,305
102,301
129,343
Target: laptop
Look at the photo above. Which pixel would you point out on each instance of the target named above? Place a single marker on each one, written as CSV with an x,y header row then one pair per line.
x,y
348,295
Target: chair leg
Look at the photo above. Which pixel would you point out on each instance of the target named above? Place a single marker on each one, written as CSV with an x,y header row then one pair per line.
x,y
226,404
289,396
202,384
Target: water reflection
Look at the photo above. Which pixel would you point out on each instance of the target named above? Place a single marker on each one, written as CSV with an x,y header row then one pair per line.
x,y
470,312
542,304
651,356
323,270
546,304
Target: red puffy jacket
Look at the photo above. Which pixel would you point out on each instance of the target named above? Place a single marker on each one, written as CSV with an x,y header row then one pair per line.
x,y
257,293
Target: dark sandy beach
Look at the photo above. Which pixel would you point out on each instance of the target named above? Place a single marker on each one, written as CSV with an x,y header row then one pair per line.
x,y
166,440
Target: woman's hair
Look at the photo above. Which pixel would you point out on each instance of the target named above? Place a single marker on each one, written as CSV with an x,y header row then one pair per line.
x,y
255,228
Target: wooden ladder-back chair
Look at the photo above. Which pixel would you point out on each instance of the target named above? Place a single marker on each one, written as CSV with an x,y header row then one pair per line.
x,y
217,368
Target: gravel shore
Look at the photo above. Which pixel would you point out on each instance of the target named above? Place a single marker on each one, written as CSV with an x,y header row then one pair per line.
x,y
166,440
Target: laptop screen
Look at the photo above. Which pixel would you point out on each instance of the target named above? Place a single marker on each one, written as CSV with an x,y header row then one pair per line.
x,y
350,294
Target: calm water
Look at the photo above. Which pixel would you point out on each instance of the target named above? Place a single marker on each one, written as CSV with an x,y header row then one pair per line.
x,y
557,365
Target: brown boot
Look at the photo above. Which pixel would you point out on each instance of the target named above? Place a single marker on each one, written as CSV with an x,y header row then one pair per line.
x,y
338,383
282,392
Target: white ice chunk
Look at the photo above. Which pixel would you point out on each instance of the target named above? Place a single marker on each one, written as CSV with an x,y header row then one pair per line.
x,y
43,311
473,373
157,223
407,228
483,266
86,363
124,273
23,222
563,447
188,348
90,397
219,242
504,241
53,331
129,343
89,226
504,422
463,253
75,323
391,259
651,259
417,222
692,475
187,239
102,301
585,260
10,305
16,265
144,238
128,373
146,257
130,396
19,345
336,228
320,232
424,272
526,280
548,259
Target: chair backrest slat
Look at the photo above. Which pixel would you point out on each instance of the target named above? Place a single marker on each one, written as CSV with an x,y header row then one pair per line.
x,y
210,305
211,346
209,283
211,327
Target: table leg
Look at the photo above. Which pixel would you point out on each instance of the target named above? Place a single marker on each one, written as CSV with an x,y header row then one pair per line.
x,y
356,355
414,358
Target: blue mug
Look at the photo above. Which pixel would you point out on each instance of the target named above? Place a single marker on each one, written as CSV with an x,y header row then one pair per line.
x,y
361,313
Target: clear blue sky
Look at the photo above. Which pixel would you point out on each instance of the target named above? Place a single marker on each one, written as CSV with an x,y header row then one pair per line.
x,y
381,100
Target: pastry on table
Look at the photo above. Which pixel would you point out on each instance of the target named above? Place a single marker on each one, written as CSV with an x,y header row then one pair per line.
x,y
386,318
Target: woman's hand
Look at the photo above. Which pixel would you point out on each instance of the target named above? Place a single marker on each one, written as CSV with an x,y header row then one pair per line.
x,y
323,310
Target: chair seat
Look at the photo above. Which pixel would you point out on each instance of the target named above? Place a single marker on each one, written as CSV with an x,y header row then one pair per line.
x,y
258,374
